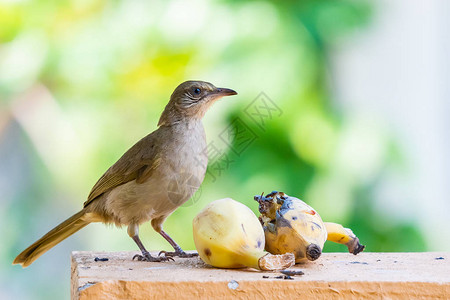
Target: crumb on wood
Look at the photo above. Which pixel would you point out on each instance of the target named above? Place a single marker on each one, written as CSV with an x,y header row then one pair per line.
x,y
359,262
101,259
292,272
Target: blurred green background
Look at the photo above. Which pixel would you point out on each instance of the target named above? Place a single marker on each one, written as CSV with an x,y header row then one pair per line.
x,y
81,81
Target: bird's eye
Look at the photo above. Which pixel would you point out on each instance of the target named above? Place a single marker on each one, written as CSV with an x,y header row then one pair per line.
x,y
197,91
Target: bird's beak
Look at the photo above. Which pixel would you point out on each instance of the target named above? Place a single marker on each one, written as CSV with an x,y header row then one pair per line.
x,y
220,92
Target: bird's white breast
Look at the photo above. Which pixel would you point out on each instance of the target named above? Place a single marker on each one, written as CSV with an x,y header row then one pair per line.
x,y
180,172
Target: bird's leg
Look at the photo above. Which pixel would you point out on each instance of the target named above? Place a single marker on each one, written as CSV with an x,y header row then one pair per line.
x,y
133,232
157,225
178,251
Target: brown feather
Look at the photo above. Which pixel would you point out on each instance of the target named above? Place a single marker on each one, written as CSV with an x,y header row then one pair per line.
x,y
128,168
53,237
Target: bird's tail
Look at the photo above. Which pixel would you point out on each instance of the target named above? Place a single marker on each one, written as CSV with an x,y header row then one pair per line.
x,y
53,237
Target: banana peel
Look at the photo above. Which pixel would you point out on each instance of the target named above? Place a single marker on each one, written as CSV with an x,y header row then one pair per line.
x,y
292,226
227,234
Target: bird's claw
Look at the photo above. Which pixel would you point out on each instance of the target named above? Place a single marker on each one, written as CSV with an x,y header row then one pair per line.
x,y
148,257
180,254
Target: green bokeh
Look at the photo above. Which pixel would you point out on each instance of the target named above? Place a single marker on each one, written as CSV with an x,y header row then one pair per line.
x,y
99,73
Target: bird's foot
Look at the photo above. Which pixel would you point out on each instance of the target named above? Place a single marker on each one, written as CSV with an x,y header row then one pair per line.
x,y
148,257
179,253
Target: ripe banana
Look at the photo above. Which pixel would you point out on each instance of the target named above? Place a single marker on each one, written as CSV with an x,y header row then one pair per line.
x,y
290,225
338,234
227,234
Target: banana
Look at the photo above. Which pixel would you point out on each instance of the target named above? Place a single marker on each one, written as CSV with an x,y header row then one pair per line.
x,y
290,225
338,234
227,234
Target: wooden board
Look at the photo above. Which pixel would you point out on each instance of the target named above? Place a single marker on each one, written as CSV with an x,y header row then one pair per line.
x,y
332,276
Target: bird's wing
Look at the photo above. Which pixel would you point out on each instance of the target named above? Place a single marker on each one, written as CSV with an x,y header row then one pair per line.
x,y
137,164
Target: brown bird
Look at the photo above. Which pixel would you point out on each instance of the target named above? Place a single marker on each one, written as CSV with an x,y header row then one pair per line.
x,y
152,179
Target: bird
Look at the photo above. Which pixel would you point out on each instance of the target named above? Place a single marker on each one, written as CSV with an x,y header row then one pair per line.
x,y
151,180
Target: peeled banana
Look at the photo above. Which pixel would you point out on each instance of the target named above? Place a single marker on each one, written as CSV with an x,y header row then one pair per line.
x,y
227,234
292,226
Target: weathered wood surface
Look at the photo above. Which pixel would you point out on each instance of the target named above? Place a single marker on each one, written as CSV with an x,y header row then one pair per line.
x,y
332,276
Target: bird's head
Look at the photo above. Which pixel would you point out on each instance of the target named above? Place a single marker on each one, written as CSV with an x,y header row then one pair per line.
x,y
191,99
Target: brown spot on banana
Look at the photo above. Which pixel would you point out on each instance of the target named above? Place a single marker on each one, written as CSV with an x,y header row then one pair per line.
x,y
313,252
318,225
282,222
259,243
